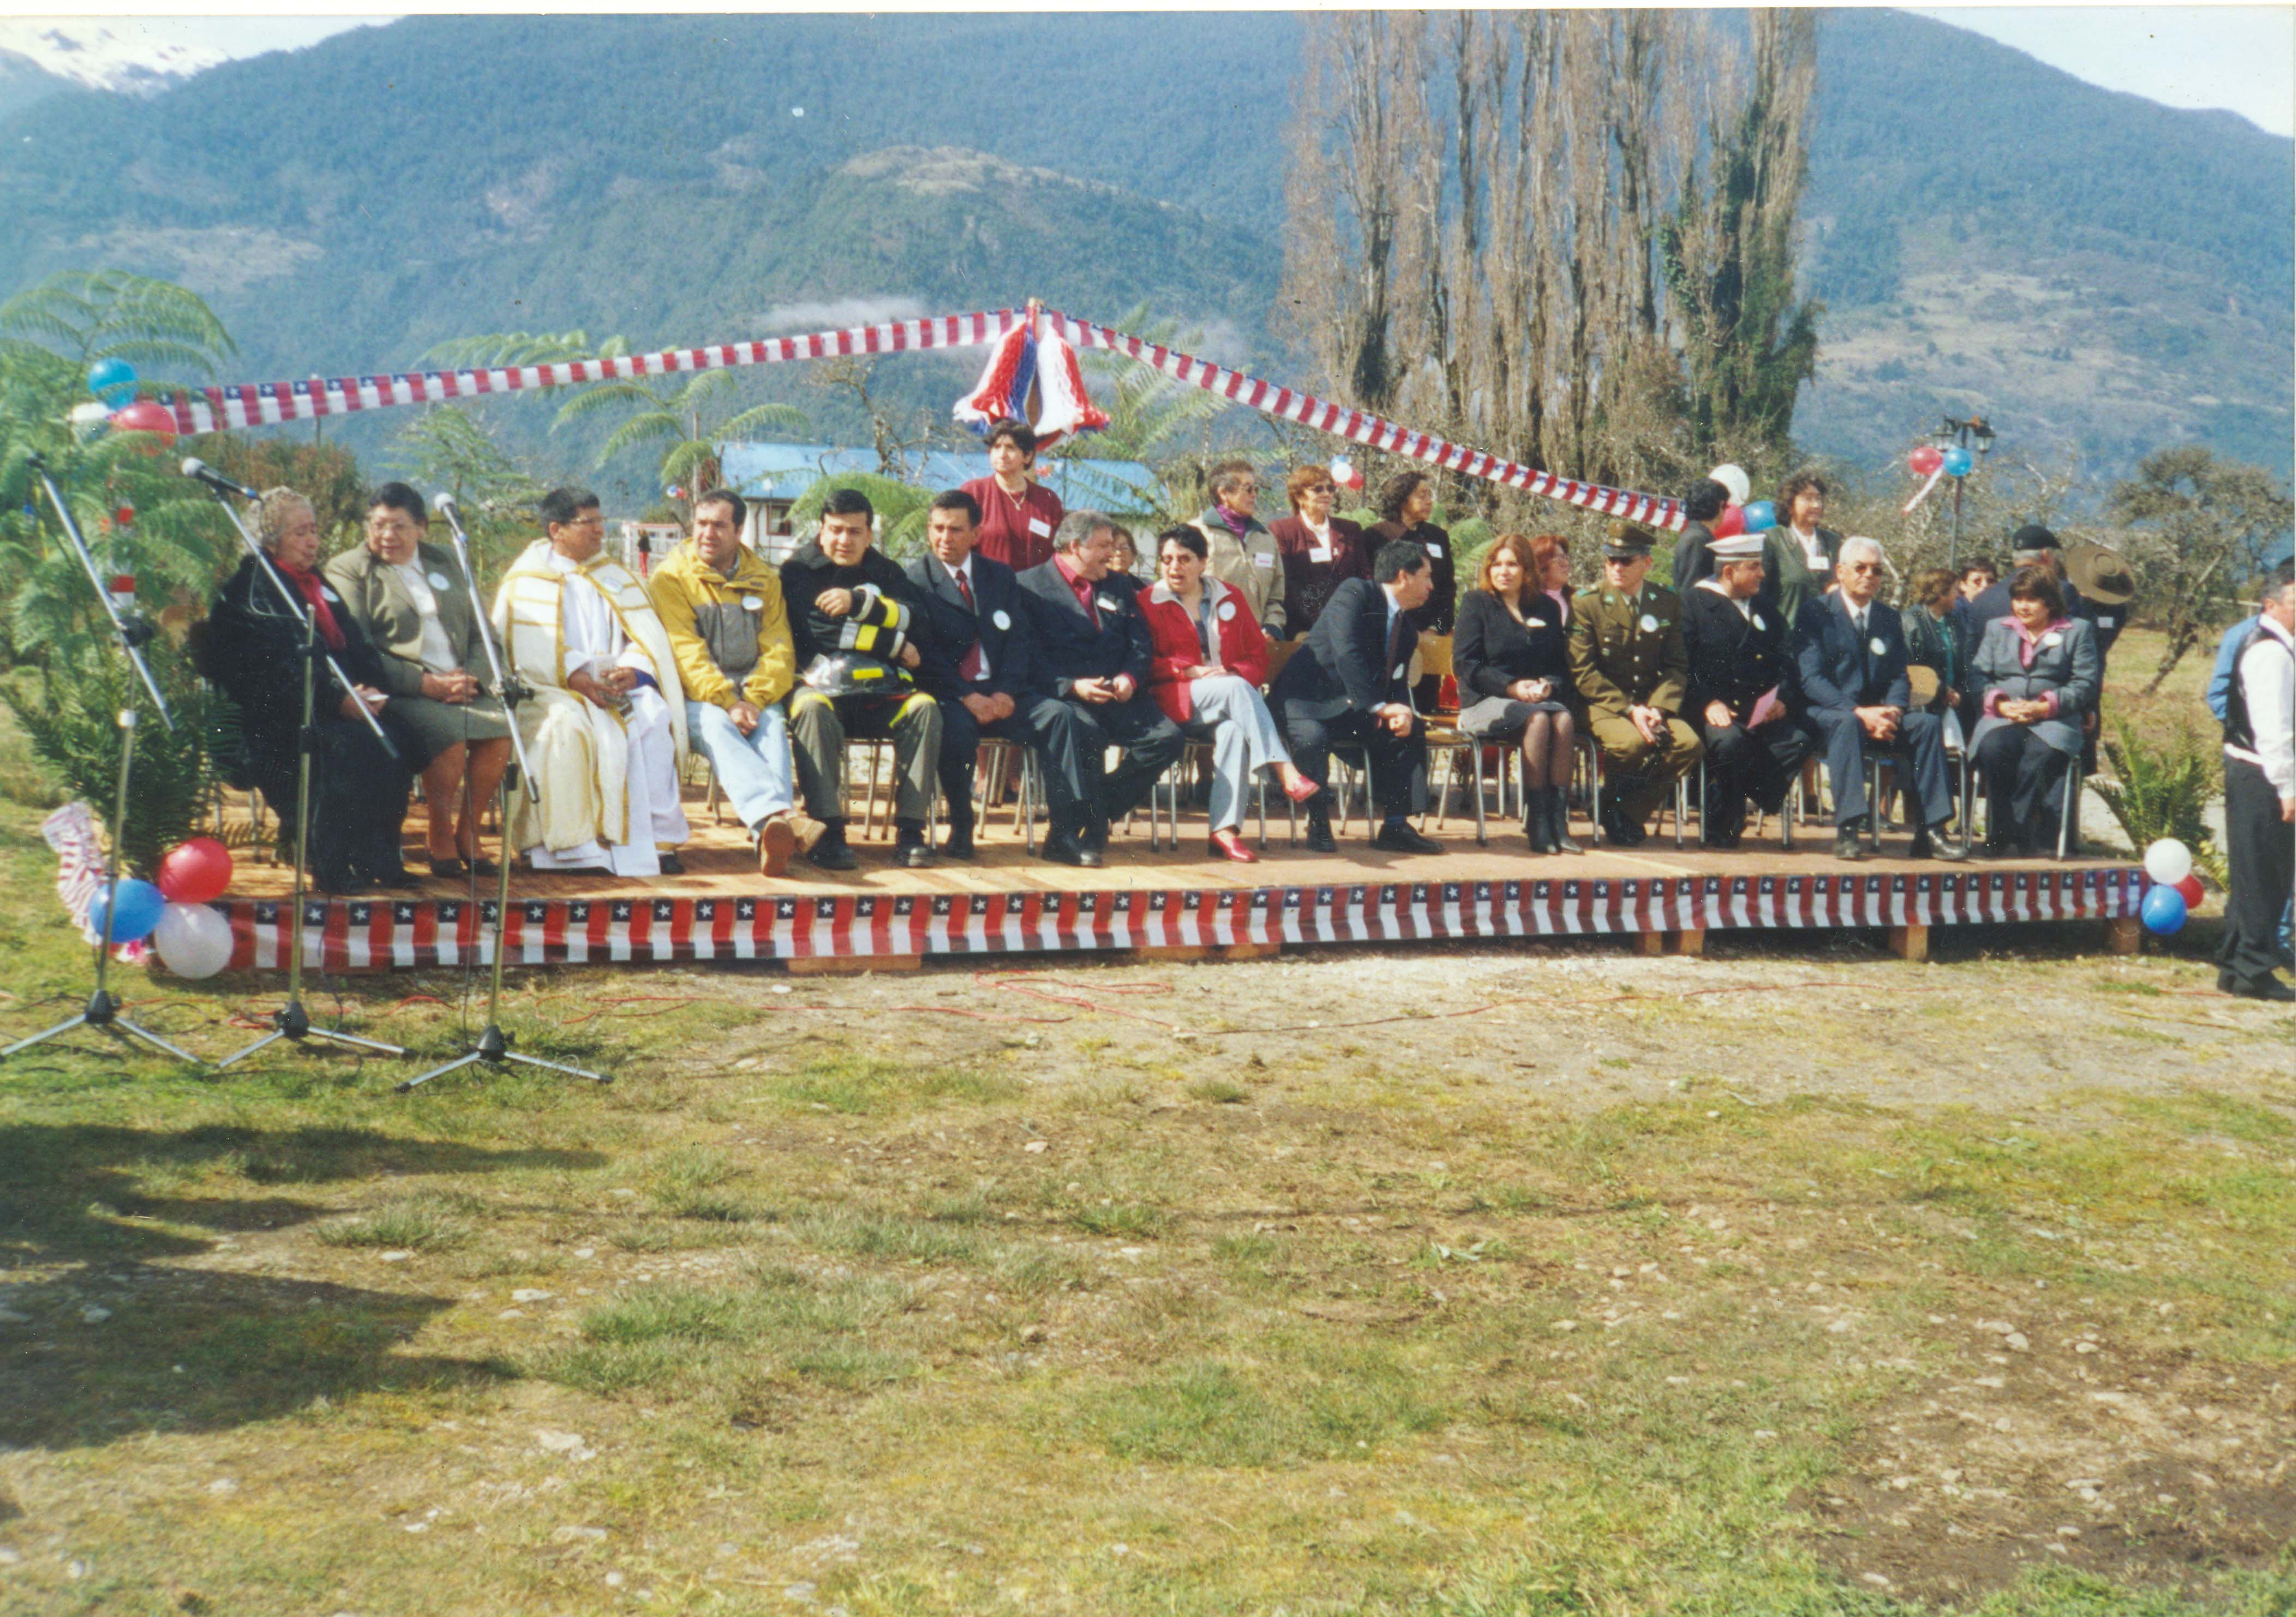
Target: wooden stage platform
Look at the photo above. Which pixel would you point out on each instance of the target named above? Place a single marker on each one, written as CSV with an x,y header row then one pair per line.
x,y
1180,902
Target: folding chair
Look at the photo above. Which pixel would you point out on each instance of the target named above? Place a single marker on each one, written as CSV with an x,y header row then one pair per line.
x,y
1589,758
2072,790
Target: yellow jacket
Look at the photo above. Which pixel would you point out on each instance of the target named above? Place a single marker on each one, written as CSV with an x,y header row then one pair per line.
x,y
731,636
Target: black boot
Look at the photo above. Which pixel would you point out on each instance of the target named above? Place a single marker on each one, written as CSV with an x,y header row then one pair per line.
x,y
1558,820
1538,821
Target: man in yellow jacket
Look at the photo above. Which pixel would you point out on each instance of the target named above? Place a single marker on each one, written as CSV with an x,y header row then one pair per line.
x,y
730,634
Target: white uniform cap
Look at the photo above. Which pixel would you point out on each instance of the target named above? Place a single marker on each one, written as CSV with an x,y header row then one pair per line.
x,y
1738,547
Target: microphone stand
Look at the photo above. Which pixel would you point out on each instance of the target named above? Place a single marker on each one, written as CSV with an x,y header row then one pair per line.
x,y
492,1046
133,631
291,1022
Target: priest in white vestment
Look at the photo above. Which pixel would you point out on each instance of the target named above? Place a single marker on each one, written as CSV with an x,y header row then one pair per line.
x,y
605,728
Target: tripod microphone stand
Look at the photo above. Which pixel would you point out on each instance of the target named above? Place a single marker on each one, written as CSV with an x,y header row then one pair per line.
x,y
291,1022
133,631
492,1046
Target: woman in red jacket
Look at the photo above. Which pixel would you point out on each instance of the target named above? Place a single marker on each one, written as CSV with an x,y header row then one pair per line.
x,y
1207,661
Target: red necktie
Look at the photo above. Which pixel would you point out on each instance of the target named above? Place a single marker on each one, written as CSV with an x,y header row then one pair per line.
x,y
969,669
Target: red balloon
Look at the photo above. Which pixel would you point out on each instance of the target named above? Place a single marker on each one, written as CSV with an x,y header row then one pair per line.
x,y
195,872
1731,523
1925,460
146,415
2191,888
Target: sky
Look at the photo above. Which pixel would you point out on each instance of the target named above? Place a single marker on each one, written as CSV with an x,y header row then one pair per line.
x,y
2238,57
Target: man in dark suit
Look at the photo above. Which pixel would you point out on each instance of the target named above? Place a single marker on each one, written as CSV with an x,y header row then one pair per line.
x,y
1347,686
1849,662
1693,554
1737,650
981,671
1090,655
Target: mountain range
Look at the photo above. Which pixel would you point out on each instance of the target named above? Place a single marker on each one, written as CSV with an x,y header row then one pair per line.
x,y
2095,274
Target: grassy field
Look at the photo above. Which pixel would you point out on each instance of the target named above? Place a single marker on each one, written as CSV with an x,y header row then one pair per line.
x,y
1793,1280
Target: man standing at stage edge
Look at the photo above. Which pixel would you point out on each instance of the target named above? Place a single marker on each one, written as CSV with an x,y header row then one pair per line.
x,y
722,609
2259,746
606,725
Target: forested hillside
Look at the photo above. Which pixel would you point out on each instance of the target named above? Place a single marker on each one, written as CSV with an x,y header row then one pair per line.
x,y
2098,274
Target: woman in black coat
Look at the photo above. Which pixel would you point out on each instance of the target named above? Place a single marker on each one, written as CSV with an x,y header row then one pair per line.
x,y
1511,657
252,649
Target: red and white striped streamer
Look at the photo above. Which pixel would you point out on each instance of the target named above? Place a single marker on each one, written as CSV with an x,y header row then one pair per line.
x,y
270,403
1649,509
263,404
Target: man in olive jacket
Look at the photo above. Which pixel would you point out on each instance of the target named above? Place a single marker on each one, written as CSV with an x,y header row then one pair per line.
x,y
1632,668
729,631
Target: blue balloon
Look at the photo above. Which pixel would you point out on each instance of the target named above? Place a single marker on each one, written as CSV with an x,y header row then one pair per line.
x,y
1761,516
113,381
1958,462
2164,910
140,906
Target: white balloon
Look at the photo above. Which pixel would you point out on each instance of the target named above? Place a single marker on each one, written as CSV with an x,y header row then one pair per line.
x,y
1344,469
193,940
2168,861
1733,476
87,414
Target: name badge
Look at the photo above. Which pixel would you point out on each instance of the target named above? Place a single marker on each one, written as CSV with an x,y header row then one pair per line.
x,y
2104,620
1877,647
1758,621
2053,640
1040,526
753,604
1228,611
1435,550
439,581
1001,617
1266,563
1107,605
1399,669
1650,624
1322,553
328,594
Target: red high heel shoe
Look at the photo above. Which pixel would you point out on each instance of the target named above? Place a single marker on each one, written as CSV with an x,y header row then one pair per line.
x,y
1301,790
1228,845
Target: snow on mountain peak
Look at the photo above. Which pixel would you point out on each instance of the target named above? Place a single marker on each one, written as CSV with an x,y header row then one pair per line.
x,y
119,55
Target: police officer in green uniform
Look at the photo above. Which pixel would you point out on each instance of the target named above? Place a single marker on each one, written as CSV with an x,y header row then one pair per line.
x,y
1633,672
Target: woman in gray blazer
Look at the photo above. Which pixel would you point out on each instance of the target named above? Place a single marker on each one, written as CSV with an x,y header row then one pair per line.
x,y
410,600
2039,673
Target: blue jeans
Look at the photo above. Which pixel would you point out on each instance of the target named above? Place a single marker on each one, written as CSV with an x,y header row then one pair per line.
x,y
754,770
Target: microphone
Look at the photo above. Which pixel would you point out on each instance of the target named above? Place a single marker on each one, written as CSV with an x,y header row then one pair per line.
x,y
445,505
200,471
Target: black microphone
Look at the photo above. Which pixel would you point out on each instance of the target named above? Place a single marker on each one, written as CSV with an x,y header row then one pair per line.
x,y
200,471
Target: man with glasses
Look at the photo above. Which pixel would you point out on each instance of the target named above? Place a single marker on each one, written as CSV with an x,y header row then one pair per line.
x,y
605,727
1850,659
1244,556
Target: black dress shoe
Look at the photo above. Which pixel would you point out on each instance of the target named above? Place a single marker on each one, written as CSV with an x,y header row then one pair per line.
x,y
2266,988
1849,844
672,865
450,869
1934,843
1062,849
1618,829
484,868
1319,837
958,843
2226,983
344,886
831,854
1402,839
914,856
403,879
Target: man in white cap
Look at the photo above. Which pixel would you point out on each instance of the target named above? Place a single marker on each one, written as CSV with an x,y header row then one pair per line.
x,y
1737,649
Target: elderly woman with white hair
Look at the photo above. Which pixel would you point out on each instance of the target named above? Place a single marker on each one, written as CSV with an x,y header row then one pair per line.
x,y
1849,660
251,648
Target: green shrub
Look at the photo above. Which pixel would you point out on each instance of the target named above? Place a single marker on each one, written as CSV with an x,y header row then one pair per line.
x,y
2165,791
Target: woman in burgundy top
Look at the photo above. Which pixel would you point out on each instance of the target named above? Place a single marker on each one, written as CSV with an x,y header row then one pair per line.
x,y
1018,515
1320,551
